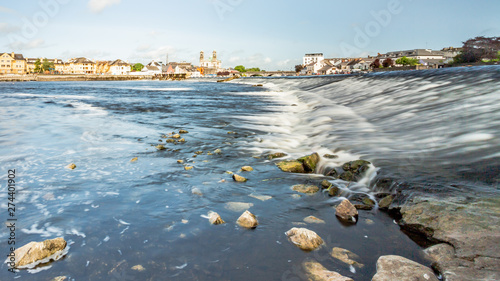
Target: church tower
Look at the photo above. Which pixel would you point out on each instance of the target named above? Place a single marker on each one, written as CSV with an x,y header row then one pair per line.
x,y
202,56
214,55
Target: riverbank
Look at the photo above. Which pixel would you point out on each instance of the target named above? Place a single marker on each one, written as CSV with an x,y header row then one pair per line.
x,y
69,77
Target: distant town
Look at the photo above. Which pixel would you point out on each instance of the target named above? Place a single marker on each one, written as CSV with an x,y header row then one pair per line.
x,y
210,66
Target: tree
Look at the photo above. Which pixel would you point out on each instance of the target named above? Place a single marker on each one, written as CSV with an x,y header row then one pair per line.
x,y
375,64
407,61
298,68
388,62
256,69
38,64
137,67
47,66
240,68
478,48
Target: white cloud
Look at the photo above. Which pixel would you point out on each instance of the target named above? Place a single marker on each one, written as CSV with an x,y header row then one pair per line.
x,y
8,28
96,6
7,10
33,44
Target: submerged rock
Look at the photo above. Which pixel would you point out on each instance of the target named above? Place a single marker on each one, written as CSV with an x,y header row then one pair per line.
x,y
138,268
368,201
347,176
390,268
291,166
238,178
346,212
333,191
238,206
346,257
246,168
313,219
326,184
196,191
247,220
260,197
309,162
305,188
276,155
59,278
317,272
217,151
37,251
214,218
304,238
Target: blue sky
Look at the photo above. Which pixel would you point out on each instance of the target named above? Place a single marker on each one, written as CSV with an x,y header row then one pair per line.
x,y
272,34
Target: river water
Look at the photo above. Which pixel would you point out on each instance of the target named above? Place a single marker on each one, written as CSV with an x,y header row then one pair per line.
x,y
424,132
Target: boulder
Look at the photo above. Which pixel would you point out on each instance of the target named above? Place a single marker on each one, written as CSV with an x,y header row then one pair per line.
x,y
346,257
182,140
276,155
304,238
160,147
214,218
333,173
346,212
38,251
390,268
385,202
317,272
347,176
333,191
291,166
246,169
71,166
247,220
368,201
238,178
305,188
134,159
357,166
440,252
217,151
183,132
313,219
326,184
176,136
309,162
187,168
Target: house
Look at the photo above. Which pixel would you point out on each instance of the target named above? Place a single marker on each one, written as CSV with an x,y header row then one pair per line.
x,y
328,68
12,63
310,58
102,67
152,68
119,67
59,65
415,54
81,66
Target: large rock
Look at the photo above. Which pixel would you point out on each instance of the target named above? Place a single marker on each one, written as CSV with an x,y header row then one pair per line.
x,y
305,188
391,268
472,228
214,218
239,178
291,166
304,238
36,251
346,257
317,272
385,202
346,212
276,155
310,162
247,220
440,252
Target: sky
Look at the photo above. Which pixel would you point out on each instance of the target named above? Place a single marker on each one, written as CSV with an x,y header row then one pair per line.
x,y
272,34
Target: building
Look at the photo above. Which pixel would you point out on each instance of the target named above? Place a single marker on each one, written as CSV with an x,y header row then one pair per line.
x,y
12,63
310,58
102,67
152,68
58,65
211,62
119,67
81,66
420,54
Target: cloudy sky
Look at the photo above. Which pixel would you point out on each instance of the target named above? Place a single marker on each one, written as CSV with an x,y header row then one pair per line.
x,y
272,34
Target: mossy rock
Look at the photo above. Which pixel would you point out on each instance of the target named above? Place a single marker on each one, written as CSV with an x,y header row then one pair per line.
x,y
333,173
310,162
291,166
347,176
386,202
368,201
333,191
276,155
305,188
326,184
356,166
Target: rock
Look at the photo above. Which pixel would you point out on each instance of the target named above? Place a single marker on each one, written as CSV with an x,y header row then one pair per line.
x,y
59,278
170,141
196,191
247,220
471,227
214,218
183,132
238,206
182,140
291,166
309,162
138,268
317,272
37,251
71,166
304,238
390,268
326,184
246,168
330,156
238,178
176,136
134,159
305,188
187,168
347,176
260,197
346,257
369,221
440,252
356,166
333,191
313,219
333,173
276,155
257,85
386,202
199,152
160,147
346,212
368,201
180,161
217,151
363,207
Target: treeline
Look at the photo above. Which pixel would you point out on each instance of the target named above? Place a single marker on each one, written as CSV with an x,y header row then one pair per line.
x,y
479,49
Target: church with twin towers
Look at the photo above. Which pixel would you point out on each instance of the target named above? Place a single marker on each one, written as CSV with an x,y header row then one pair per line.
x,y
212,62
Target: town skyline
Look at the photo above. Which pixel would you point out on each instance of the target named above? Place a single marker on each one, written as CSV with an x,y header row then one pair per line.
x,y
242,32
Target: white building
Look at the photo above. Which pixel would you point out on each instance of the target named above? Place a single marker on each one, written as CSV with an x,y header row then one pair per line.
x,y
212,62
119,67
152,68
310,58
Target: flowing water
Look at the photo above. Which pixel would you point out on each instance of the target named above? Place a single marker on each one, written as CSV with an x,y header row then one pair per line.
x,y
424,132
